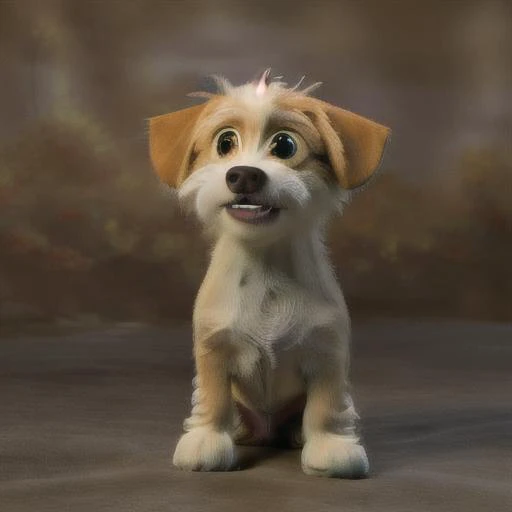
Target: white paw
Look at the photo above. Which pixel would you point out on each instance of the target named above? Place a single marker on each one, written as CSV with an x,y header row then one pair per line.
x,y
205,449
334,456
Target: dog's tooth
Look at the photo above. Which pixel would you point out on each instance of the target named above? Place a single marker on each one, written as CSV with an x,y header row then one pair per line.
x,y
249,206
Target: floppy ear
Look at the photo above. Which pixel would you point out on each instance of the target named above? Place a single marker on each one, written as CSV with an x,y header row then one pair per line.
x,y
170,143
355,145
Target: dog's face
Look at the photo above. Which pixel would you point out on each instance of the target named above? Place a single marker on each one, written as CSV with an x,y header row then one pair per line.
x,y
262,161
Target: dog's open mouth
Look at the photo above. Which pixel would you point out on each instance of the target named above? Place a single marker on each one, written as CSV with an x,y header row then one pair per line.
x,y
244,211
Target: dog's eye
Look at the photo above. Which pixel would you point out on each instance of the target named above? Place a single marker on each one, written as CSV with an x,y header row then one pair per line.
x,y
227,141
283,146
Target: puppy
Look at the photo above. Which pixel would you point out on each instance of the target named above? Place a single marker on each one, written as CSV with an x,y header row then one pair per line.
x,y
264,167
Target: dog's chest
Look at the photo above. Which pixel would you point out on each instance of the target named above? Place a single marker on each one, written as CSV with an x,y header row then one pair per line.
x,y
262,305
274,311
269,310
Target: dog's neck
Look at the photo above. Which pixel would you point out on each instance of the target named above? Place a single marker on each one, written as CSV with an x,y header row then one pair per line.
x,y
301,259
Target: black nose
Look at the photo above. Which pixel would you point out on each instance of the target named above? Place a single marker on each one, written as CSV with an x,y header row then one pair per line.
x,y
243,179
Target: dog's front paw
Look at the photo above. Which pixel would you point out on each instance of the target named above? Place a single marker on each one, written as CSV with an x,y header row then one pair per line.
x,y
205,449
334,456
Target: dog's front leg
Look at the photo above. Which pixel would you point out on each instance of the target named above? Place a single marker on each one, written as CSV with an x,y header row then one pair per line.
x,y
207,445
329,423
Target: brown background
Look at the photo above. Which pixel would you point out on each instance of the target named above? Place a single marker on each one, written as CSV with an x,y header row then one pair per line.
x,y
87,233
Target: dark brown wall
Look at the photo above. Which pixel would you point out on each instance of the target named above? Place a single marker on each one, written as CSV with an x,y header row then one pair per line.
x,y
86,231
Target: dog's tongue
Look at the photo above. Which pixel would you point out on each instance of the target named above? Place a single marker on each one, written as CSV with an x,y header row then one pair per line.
x,y
245,214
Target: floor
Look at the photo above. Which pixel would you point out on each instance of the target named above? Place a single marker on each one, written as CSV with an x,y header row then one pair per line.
x,y
88,422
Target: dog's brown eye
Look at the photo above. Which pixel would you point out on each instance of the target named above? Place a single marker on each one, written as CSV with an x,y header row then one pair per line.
x,y
227,142
283,146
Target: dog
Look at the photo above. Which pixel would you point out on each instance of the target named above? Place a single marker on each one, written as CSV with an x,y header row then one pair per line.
x,y
264,167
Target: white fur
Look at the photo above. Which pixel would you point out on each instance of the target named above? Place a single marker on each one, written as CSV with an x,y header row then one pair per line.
x,y
287,322
334,456
204,449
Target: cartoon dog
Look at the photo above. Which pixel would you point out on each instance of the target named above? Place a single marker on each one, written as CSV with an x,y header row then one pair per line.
x,y
264,167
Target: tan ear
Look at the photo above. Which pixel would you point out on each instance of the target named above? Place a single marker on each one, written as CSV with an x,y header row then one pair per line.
x,y
355,145
171,145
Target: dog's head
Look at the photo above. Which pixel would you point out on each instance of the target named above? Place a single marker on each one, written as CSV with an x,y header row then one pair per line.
x,y
261,160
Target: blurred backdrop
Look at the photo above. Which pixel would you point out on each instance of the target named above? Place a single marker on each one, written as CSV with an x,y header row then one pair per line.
x,y
87,233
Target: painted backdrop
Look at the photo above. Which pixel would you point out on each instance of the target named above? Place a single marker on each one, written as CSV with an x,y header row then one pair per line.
x,y
86,232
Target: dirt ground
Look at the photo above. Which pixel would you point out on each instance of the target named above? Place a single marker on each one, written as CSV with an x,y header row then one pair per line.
x,y
88,422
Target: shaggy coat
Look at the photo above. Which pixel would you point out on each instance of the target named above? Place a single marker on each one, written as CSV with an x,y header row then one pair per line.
x,y
264,167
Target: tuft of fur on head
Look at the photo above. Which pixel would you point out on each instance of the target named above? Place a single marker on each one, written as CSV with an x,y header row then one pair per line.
x,y
225,88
